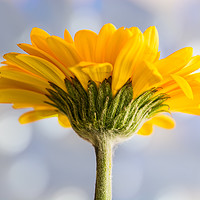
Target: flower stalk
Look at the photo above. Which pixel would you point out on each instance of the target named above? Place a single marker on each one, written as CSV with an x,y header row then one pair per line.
x,y
103,189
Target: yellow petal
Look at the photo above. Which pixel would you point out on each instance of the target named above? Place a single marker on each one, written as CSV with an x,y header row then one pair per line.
x,y
85,42
12,67
135,31
64,52
68,37
98,72
152,41
25,79
32,50
184,85
45,69
193,79
179,102
146,129
81,76
22,97
6,83
38,39
192,66
116,43
163,121
167,85
63,120
5,62
127,59
35,115
174,62
192,111
12,58
145,77
157,57
35,107
104,35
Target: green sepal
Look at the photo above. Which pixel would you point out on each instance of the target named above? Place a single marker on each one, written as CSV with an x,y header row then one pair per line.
x,y
95,113
72,91
80,88
103,116
92,101
114,105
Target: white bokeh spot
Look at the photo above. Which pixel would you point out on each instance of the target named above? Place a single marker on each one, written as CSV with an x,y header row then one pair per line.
x,y
14,137
28,178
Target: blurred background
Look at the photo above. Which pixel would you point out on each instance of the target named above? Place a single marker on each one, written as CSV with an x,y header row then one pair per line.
x,y
42,161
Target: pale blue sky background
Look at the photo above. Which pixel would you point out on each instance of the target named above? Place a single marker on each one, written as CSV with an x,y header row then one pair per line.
x,y
42,161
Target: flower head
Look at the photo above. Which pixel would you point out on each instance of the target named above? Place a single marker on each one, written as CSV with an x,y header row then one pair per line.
x,y
107,79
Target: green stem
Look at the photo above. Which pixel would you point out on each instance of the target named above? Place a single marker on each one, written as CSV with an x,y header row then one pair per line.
x,y
103,190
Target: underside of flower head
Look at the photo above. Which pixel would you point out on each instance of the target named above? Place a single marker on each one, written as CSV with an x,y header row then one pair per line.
x,y
95,114
121,58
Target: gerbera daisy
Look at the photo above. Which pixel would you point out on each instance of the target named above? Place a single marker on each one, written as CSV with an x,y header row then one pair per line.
x,y
107,86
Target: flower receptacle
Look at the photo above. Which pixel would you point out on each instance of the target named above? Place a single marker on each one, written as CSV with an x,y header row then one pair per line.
x,y
96,114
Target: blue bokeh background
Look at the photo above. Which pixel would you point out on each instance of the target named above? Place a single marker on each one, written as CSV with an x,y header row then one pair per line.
x,y
43,161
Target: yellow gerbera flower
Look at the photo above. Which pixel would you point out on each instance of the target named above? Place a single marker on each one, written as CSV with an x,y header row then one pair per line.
x,y
123,54
107,86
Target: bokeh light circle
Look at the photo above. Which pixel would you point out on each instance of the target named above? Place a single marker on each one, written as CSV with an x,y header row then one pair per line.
x,y
28,178
71,193
14,137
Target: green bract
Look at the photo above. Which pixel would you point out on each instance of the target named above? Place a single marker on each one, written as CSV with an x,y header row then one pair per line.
x,y
96,114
